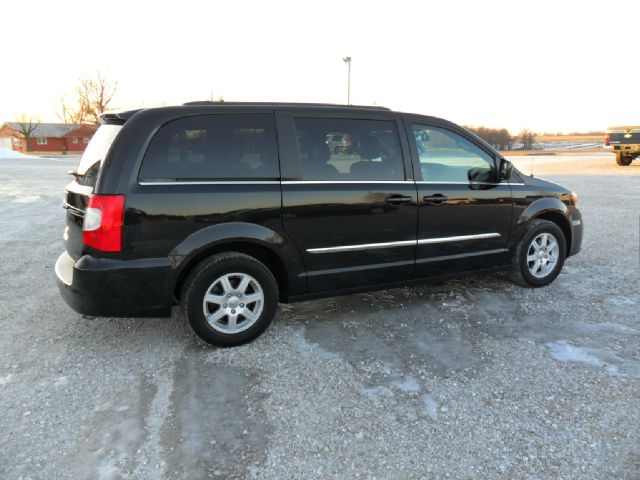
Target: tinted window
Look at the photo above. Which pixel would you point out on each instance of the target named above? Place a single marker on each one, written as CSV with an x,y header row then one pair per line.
x,y
94,154
349,150
446,156
213,147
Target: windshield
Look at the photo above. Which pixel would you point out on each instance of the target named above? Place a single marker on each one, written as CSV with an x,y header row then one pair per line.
x,y
98,148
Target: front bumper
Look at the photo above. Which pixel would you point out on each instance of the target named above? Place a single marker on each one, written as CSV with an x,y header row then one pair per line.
x,y
576,232
114,288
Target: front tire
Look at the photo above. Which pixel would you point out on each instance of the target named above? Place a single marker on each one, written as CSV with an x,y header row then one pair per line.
x,y
539,256
230,299
623,160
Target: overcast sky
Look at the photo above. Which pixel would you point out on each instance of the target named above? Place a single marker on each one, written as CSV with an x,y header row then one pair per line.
x,y
545,65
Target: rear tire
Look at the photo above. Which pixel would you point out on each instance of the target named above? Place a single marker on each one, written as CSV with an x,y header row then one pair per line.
x,y
230,299
539,256
622,160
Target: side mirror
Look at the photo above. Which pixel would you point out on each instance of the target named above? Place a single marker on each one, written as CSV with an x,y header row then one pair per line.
x,y
479,175
506,167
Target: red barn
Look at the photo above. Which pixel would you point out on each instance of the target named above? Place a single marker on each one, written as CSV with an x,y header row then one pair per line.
x,y
47,137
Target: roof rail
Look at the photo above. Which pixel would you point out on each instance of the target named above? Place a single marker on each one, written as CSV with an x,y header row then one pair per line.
x,y
287,104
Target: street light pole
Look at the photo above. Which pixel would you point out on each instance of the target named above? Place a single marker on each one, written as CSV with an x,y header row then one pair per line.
x,y
347,60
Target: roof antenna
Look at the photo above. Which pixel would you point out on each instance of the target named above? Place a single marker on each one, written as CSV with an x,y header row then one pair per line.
x,y
532,159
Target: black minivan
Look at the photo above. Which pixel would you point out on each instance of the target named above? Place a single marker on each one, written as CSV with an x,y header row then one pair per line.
x,y
229,208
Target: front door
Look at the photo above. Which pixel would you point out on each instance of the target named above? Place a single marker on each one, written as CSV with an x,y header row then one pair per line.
x,y
347,203
464,214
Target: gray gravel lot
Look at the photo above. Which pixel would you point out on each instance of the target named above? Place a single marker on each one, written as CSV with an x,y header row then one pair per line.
x,y
475,378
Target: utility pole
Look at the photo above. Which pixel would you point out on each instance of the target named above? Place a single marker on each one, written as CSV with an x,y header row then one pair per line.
x,y
347,60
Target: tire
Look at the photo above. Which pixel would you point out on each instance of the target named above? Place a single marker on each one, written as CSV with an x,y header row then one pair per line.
x,y
551,260
622,160
226,279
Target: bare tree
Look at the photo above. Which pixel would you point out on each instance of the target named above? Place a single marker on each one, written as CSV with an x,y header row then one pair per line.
x,y
527,138
26,126
92,97
68,112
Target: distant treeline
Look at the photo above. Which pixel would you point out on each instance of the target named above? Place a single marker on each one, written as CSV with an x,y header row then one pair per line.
x,y
499,139
576,134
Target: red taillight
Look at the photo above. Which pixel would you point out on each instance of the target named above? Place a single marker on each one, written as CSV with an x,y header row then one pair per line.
x,y
606,138
102,228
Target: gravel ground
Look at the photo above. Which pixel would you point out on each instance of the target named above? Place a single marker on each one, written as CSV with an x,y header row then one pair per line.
x,y
475,378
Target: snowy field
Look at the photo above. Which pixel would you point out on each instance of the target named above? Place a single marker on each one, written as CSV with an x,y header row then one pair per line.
x,y
563,145
475,378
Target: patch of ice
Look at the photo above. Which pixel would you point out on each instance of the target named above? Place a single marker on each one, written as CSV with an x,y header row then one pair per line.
x,y
408,384
377,393
623,305
430,406
108,471
26,199
6,379
564,352
61,382
622,300
309,349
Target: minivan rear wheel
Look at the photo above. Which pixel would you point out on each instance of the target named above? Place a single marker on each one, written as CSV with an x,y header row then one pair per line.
x,y
230,299
539,256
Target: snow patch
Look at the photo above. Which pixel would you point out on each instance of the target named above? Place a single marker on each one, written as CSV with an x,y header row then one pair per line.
x,y
564,352
5,153
6,379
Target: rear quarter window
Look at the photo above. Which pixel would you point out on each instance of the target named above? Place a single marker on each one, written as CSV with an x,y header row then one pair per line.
x,y
213,147
94,155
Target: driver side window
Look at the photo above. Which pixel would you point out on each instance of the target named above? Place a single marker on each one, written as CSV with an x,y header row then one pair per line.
x,y
448,157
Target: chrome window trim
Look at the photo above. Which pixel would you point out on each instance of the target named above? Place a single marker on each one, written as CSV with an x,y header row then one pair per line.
x,y
403,243
324,182
304,182
212,182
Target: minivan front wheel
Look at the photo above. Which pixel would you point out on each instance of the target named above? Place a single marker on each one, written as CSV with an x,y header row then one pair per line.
x,y
540,254
230,299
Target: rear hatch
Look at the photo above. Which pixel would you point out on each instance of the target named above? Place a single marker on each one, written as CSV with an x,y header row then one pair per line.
x,y
79,191
623,136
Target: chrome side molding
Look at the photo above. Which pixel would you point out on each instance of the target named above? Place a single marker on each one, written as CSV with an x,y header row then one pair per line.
x,y
403,243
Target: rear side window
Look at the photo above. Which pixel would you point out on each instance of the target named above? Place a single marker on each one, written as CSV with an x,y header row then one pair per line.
x,y
348,150
95,153
213,147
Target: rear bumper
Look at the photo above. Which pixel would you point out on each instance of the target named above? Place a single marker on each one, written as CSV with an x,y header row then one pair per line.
x,y
114,288
626,148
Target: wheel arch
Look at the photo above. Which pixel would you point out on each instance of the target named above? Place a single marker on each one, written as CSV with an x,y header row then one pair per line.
x,y
550,209
258,241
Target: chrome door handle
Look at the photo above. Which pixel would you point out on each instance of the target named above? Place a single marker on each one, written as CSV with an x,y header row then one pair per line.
x,y
435,199
398,199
